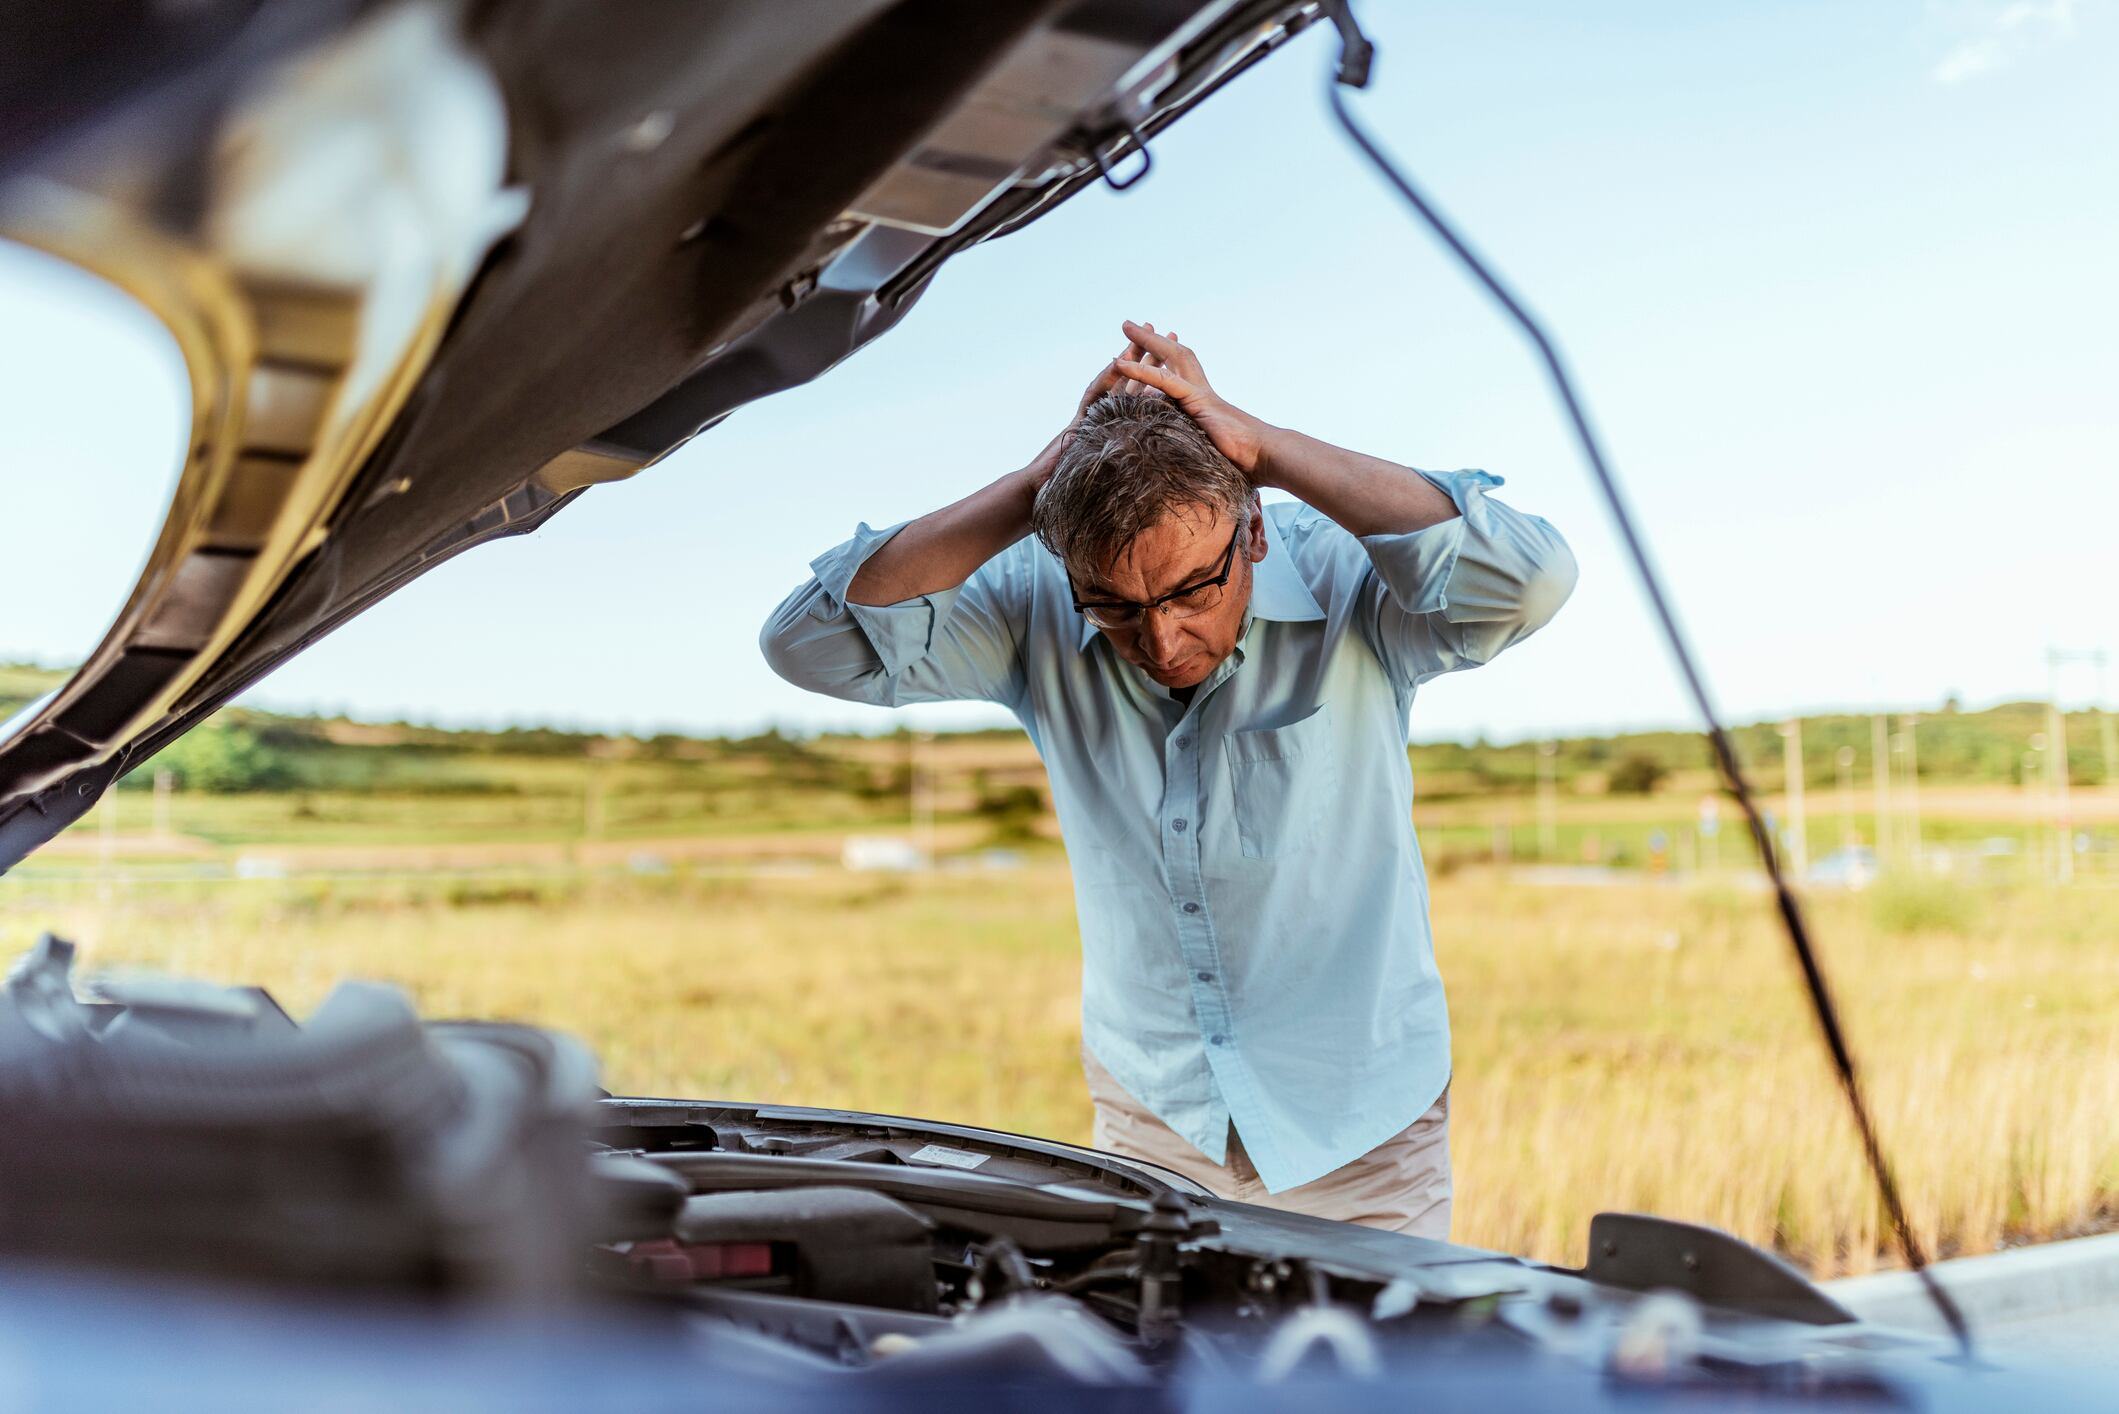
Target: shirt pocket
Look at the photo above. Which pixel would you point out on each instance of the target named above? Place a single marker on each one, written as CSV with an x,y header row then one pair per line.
x,y
1283,780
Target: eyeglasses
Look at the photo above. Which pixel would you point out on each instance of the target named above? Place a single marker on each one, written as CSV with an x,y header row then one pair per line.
x,y
1180,603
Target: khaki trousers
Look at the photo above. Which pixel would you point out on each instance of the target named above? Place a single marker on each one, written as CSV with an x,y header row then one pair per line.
x,y
1402,1184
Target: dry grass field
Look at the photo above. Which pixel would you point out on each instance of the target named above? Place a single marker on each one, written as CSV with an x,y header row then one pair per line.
x,y
1639,1045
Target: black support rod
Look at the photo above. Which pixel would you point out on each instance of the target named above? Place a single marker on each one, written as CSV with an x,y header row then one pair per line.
x,y
1725,757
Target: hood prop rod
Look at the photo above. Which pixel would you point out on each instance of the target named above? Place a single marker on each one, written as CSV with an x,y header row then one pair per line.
x,y
1353,72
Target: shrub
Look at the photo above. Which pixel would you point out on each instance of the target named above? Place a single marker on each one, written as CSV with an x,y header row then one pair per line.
x,y
1636,773
1013,811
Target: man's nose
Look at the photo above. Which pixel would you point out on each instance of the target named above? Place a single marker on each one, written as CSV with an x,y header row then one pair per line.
x,y
1158,635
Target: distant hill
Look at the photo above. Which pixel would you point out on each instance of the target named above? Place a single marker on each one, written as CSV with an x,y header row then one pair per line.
x,y
1987,746
240,748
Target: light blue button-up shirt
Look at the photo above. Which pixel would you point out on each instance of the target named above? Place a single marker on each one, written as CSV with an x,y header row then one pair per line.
x,y
1253,907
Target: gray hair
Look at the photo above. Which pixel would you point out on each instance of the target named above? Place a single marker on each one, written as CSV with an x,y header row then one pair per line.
x,y
1130,461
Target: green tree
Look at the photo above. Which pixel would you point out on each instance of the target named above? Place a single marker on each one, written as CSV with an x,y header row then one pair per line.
x,y
221,757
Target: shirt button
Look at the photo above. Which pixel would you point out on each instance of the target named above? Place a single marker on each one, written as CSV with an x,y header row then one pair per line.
x,y
1191,907
1217,1040
1178,825
1206,976
1183,742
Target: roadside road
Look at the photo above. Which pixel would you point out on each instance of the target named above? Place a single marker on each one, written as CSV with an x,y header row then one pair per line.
x,y
2056,1301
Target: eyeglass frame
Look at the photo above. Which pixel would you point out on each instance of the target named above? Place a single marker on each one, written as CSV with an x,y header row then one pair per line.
x,y
1219,579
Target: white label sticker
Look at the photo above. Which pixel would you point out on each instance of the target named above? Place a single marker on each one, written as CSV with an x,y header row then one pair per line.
x,y
955,1158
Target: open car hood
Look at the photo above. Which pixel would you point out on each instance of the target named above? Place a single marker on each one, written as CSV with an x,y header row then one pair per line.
x,y
436,269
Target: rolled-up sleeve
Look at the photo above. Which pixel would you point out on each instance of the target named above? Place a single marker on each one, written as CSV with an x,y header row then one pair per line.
x,y
1455,594
955,645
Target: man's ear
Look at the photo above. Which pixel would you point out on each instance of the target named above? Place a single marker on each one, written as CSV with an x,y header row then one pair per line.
x,y
1255,550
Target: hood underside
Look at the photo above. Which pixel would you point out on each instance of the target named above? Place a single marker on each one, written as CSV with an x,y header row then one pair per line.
x,y
436,269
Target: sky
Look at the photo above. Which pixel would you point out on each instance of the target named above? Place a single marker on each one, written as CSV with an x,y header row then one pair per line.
x,y
1837,281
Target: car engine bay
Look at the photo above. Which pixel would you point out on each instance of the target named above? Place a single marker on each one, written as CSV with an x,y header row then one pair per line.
x,y
169,1129
866,1245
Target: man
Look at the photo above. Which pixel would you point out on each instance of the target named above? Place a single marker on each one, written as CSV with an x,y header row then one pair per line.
x,y
1220,693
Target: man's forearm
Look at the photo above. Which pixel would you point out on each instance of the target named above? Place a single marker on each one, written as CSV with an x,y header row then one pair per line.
x,y
940,550
1364,495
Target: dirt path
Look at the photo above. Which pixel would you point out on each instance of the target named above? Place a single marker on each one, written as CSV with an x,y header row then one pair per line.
x,y
822,845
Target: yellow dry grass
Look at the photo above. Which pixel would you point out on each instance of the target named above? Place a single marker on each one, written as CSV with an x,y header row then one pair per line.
x,y
1637,1046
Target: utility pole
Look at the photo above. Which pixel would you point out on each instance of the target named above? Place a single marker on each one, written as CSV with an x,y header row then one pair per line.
x,y
2034,806
1880,771
1845,759
592,801
1548,800
2056,771
1909,722
2056,735
165,781
1792,782
922,799
2107,728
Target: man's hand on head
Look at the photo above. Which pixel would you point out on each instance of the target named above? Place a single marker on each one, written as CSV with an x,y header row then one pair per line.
x,y
1110,380
1107,380
1165,366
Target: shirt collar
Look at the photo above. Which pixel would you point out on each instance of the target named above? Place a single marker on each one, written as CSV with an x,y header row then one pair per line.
x,y
1277,587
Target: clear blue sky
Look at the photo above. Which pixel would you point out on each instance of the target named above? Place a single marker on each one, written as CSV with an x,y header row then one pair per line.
x,y
1839,282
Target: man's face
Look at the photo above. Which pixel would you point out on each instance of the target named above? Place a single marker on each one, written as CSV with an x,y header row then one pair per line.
x,y
1182,549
